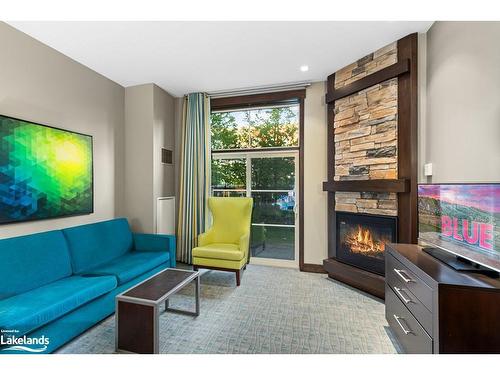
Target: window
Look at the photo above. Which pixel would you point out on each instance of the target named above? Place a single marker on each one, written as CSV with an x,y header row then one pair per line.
x,y
255,153
256,128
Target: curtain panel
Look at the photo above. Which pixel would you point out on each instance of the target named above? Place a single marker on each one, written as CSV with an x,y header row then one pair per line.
x,y
195,174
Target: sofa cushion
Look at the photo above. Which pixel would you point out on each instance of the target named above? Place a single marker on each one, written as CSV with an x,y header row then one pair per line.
x,y
28,311
29,262
225,251
131,265
95,244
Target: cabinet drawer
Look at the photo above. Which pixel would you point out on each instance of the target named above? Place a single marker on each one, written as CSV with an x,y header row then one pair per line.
x,y
410,334
417,308
400,276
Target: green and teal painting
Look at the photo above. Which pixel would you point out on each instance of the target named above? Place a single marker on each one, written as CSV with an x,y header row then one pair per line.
x,y
44,172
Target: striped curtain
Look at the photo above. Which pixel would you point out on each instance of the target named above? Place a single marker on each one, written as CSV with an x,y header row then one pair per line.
x,y
194,174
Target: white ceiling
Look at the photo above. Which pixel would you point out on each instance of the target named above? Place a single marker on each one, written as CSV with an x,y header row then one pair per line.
x,y
183,57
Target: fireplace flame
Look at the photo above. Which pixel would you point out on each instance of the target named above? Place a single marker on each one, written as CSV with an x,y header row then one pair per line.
x,y
362,242
365,237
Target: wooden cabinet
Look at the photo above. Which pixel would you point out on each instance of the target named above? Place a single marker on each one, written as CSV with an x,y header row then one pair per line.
x,y
431,308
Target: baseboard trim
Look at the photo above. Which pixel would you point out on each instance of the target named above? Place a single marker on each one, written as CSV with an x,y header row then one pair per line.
x,y
313,268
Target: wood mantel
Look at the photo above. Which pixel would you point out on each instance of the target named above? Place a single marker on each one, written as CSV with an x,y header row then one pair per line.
x,y
401,185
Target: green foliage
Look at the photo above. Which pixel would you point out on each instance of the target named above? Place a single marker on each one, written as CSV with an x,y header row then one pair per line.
x,y
229,173
255,128
273,173
224,131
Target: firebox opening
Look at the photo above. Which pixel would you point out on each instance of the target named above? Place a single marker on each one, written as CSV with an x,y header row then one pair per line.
x,y
361,239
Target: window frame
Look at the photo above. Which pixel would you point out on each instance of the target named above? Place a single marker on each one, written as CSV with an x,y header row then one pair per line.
x,y
272,99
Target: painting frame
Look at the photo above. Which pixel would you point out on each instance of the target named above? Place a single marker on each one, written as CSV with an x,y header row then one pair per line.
x,y
91,208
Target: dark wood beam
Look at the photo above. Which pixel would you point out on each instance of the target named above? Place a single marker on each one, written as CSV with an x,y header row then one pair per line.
x,y
392,71
389,186
332,214
407,140
232,102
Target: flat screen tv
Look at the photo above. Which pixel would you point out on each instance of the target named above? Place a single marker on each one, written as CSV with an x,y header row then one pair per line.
x,y
45,172
462,219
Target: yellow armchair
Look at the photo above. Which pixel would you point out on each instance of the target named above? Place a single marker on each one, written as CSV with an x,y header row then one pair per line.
x,y
225,246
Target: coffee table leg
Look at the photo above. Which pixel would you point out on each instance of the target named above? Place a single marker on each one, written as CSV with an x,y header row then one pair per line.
x,y
116,325
156,349
197,295
137,329
197,301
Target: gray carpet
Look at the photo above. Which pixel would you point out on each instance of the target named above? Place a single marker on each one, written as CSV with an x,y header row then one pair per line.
x,y
275,310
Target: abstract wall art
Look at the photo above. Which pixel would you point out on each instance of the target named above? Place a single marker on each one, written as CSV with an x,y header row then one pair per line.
x,y
45,172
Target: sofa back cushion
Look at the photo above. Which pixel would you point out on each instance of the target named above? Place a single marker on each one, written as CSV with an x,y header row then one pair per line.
x,y
91,245
29,262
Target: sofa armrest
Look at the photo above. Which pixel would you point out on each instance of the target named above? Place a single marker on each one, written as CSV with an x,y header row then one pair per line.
x,y
156,242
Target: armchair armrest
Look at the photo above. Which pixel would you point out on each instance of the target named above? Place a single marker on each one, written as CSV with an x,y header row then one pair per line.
x,y
245,244
205,238
156,242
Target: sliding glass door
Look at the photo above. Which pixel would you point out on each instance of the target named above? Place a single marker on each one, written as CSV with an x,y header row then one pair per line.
x,y
270,179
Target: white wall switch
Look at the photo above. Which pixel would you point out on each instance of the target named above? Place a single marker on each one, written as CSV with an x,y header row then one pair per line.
x,y
428,169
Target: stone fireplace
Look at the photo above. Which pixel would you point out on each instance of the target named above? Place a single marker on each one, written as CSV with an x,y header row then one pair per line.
x,y
361,239
372,162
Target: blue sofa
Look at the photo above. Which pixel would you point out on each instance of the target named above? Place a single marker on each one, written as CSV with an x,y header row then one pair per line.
x,y
55,285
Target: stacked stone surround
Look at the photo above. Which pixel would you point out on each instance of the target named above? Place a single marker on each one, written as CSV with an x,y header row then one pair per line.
x,y
365,131
368,203
367,65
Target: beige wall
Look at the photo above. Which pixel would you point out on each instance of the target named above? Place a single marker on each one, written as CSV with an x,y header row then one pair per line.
x,y
138,206
163,138
461,134
149,126
40,84
315,172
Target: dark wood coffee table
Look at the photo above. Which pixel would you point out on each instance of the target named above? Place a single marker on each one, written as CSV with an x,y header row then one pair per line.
x,y
138,309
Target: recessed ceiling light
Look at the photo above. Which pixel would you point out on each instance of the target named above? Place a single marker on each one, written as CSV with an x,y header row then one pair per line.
x,y
304,68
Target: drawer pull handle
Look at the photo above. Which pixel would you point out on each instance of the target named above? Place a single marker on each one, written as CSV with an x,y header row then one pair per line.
x,y
400,293
400,273
398,319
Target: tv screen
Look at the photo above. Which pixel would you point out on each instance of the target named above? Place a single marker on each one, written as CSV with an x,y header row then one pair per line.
x,y
45,172
463,219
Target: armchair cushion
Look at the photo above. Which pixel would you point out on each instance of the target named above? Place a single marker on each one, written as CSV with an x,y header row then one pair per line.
x,y
224,251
